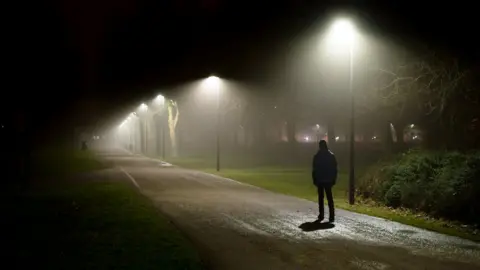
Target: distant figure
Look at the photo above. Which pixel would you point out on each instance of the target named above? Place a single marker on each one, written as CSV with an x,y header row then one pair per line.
x,y
324,174
84,146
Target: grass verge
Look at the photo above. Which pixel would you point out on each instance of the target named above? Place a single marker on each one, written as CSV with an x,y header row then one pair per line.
x,y
297,182
90,225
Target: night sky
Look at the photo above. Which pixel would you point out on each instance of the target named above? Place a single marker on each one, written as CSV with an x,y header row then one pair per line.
x,y
91,57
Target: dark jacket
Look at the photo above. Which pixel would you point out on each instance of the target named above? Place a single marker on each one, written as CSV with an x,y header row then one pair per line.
x,y
324,170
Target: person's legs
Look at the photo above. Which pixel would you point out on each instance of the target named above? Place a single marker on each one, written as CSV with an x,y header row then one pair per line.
x,y
321,207
331,207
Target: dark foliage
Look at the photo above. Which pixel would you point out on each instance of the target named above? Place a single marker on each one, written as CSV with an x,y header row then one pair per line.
x,y
443,184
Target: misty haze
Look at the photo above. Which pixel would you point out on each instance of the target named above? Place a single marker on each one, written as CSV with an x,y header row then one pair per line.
x,y
221,135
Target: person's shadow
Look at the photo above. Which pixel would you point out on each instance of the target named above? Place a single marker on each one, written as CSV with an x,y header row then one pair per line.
x,y
316,226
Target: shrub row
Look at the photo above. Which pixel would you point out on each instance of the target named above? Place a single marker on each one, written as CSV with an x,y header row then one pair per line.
x,y
442,184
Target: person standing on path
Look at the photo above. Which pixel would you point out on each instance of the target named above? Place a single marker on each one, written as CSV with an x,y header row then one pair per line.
x,y
324,174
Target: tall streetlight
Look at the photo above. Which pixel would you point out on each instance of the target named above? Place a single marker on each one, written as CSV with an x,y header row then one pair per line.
x,y
121,133
129,122
134,118
143,109
127,126
342,36
213,84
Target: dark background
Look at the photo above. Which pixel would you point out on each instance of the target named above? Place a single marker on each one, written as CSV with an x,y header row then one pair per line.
x,y
78,62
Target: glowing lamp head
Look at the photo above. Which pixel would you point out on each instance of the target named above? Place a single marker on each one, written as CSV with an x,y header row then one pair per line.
x,y
212,83
342,31
341,36
143,107
160,100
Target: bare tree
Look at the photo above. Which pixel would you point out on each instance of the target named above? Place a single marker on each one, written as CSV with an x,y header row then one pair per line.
x,y
173,114
432,90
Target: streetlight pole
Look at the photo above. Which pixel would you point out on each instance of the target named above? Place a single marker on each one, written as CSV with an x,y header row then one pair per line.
x,y
212,83
218,129
130,140
143,114
134,127
351,193
137,136
145,123
343,33
163,135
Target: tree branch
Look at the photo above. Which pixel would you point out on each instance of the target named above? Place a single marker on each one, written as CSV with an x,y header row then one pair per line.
x,y
177,114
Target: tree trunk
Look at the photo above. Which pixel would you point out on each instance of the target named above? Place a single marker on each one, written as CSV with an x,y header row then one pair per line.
x,y
173,142
387,136
173,114
158,122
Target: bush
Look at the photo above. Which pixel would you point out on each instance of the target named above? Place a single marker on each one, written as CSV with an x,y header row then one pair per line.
x,y
443,184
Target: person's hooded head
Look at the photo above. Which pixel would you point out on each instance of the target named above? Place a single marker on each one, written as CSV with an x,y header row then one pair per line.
x,y
322,145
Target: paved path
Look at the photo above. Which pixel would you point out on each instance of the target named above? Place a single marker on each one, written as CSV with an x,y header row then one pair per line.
x,y
238,226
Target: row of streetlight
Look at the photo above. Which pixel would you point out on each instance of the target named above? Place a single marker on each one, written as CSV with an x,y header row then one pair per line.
x,y
341,37
137,115
211,83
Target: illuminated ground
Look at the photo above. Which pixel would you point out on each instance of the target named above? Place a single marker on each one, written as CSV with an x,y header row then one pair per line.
x,y
238,226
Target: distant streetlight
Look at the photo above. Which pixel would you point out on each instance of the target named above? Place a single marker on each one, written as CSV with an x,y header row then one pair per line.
x,y
143,109
316,129
132,118
125,131
212,84
342,37
159,100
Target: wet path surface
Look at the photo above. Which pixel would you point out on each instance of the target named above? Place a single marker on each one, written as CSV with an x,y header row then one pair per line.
x,y
238,226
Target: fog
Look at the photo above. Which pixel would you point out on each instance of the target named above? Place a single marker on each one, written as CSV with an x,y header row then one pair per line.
x,y
257,125
305,99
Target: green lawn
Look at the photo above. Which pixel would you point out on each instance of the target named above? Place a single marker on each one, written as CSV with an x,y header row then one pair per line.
x,y
89,224
297,182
